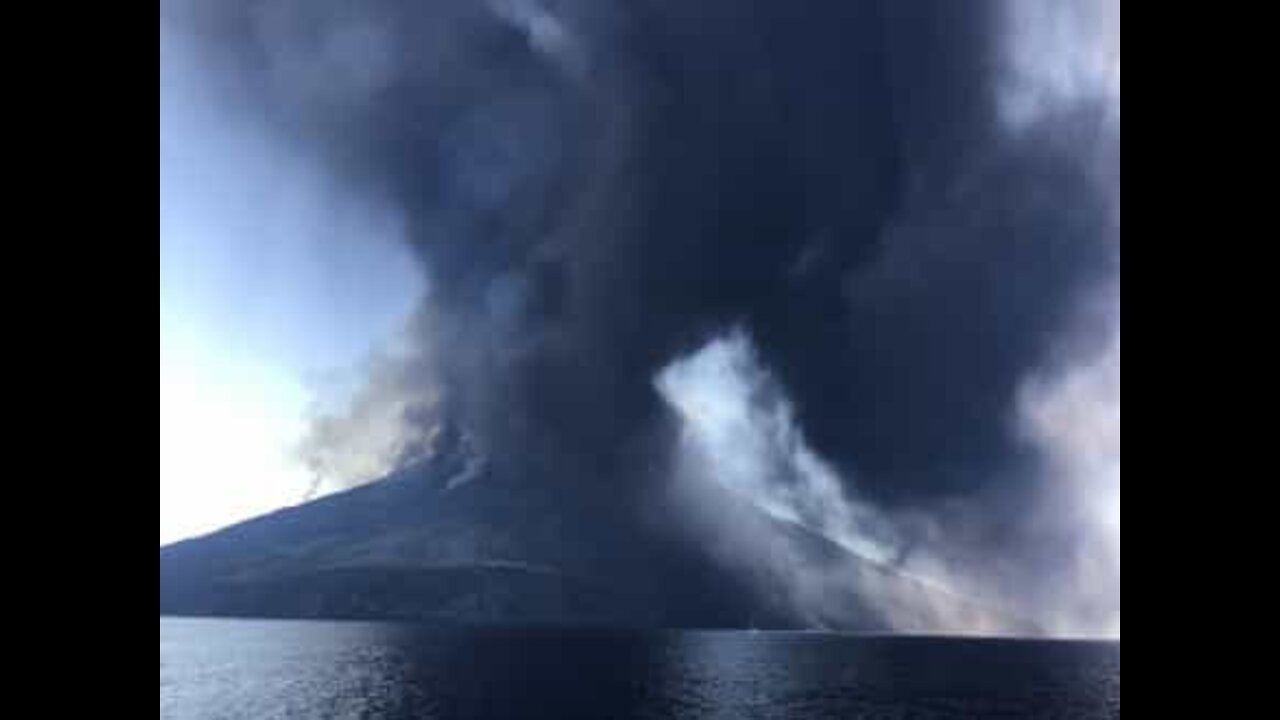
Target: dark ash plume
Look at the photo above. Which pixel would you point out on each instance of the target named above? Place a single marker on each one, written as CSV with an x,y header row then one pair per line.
x,y
597,189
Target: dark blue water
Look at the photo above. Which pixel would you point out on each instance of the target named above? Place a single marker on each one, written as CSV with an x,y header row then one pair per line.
x,y
263,670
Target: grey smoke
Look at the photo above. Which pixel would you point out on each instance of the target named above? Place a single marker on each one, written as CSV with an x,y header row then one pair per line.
x,y
391,416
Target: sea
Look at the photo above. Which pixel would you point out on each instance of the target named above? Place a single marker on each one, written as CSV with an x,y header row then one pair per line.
x,y
262,670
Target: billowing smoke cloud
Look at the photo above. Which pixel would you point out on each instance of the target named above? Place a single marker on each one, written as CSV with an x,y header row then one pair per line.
x,y
904,205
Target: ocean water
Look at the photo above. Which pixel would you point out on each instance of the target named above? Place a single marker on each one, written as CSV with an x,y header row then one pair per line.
x,y
213,669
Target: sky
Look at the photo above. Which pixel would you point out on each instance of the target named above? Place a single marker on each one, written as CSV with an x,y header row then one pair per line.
x,y
272,281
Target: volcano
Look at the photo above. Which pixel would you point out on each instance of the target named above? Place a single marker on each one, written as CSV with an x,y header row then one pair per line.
x,y
451,540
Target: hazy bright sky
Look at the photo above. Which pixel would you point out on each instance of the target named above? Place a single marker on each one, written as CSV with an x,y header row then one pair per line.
x,y
270,277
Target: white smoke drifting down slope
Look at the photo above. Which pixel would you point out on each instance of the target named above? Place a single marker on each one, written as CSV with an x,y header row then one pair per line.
x,y
739,430
740,426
